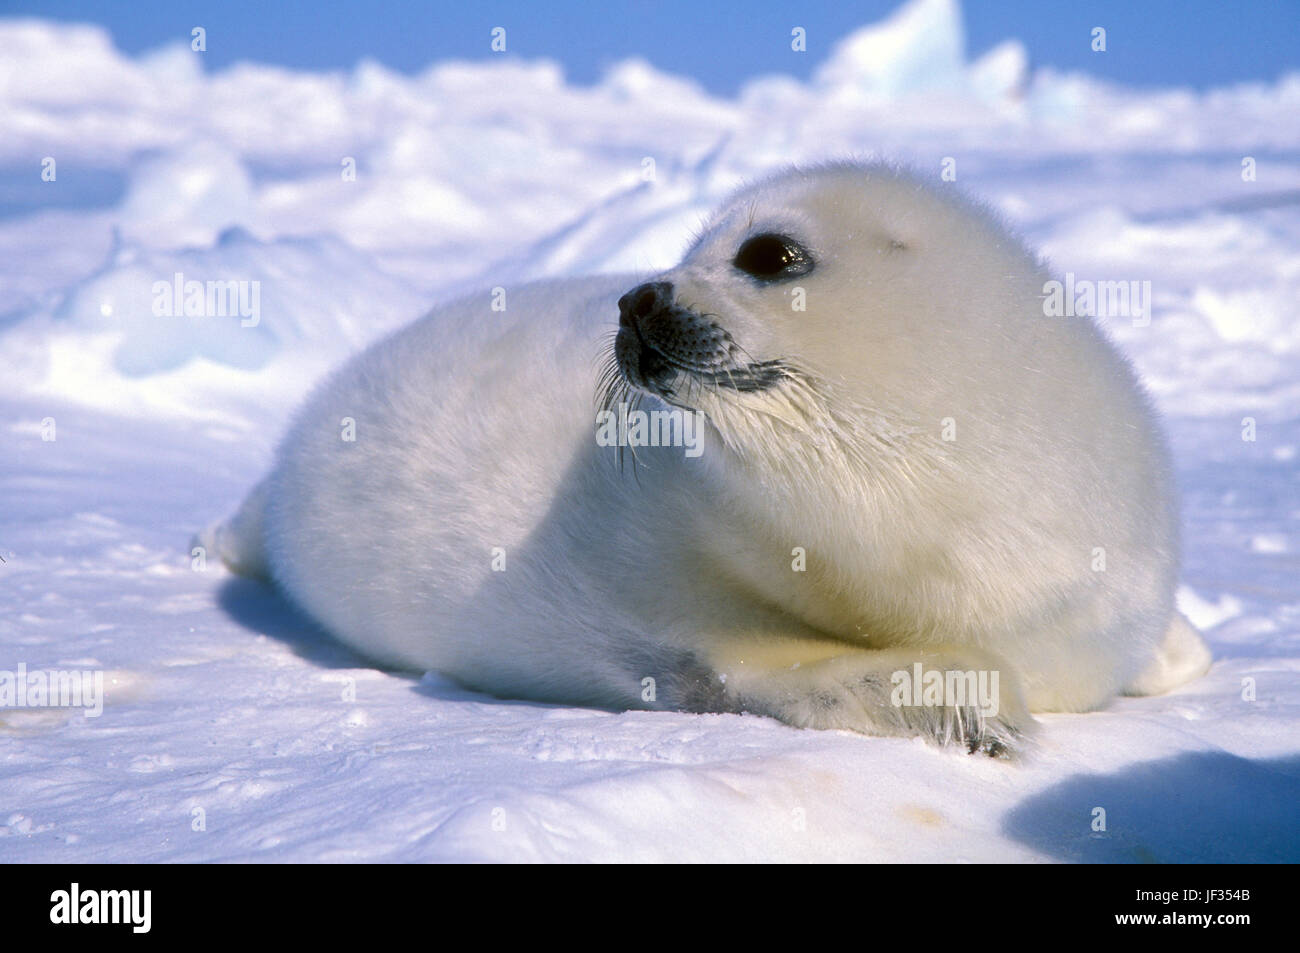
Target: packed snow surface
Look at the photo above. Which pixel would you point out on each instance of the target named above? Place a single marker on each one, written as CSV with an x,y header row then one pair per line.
x,y
233,730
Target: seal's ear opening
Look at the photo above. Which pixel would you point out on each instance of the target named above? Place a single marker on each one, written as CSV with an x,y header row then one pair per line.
x,y
773,257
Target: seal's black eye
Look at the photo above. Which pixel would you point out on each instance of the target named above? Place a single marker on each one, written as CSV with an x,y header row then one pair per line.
x,y
771,257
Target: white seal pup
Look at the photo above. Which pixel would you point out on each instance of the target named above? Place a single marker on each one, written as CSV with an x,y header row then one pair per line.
x,y
884,478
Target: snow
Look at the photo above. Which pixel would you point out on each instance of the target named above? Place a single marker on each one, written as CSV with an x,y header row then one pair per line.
x,y
224,705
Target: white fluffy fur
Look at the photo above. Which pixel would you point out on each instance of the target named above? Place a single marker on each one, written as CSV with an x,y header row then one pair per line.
x,y
475,429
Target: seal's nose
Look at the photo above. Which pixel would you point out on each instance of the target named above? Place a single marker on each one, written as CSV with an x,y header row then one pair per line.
x,y
643,301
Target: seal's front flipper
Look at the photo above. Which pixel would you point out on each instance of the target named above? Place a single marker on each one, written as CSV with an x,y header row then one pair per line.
x,y
958,696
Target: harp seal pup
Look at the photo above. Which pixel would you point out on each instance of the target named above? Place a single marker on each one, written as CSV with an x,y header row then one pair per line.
x,y
904,468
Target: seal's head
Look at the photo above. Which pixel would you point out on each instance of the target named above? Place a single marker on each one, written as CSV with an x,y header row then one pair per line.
x,y
831,301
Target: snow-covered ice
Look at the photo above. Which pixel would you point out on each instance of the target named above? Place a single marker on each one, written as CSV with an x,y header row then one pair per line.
x,y
226,711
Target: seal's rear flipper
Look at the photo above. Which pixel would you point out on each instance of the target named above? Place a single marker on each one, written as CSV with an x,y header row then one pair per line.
x,y
238,540
1181,657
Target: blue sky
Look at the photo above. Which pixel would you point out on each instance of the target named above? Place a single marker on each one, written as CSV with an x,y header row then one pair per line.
x,y
1199,43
